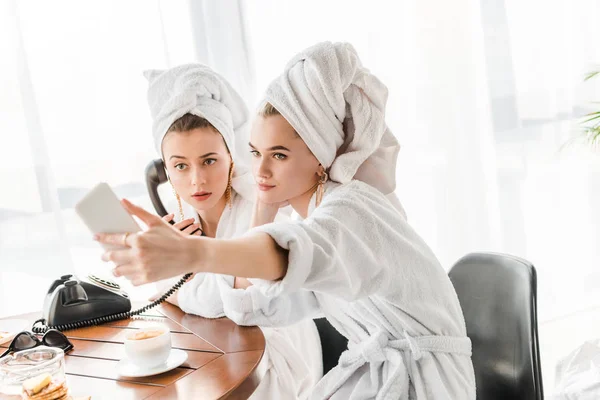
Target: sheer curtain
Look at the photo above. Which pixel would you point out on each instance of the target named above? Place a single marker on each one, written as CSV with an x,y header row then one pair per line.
x,y
73,112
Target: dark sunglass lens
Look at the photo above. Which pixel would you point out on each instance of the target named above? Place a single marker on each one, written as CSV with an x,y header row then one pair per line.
x,y
56,339
24,341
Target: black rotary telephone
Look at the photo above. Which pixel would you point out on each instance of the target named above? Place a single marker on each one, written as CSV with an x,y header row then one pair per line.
x,y
73,302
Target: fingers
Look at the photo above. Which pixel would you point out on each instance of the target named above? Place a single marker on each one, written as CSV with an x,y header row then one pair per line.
x,y
127,270
132,272
190,229
119,257
168,217
118,239
184,224
146,217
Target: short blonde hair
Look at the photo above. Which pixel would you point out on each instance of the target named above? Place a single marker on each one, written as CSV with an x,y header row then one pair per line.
x,y
268,110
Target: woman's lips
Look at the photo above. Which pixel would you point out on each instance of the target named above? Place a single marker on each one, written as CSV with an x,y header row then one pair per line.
x,y
265,188
201,196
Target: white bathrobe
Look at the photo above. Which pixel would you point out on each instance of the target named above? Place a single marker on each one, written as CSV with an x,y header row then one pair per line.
x,y
292,363
356,260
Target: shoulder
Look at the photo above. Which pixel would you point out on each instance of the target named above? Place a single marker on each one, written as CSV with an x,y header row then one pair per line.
x,y
353,193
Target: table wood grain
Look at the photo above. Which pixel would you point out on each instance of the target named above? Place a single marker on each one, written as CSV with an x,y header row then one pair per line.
x,y
221,364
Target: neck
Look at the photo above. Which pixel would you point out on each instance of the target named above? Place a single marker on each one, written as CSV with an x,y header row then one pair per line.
x,y
300,203
209,219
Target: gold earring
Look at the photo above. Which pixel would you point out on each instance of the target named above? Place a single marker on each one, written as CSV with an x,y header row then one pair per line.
x,y
321,188
178,201
228,190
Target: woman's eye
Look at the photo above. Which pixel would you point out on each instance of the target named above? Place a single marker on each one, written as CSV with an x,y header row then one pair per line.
x,y
180,167
255,153
209,161
280,156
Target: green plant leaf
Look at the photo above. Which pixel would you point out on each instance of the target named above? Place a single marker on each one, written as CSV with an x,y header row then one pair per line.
x,y
592,116
591,122
593,135
591,75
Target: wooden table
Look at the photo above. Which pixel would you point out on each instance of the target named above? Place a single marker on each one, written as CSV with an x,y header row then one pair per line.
x,y
222,359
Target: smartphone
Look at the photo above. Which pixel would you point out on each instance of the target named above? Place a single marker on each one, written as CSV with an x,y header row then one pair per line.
x,y
102,212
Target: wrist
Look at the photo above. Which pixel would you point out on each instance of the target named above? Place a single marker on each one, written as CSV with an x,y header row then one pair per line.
x,y
197,249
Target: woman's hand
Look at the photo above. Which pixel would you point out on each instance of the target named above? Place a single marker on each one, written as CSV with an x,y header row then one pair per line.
x,y
158,253
187,226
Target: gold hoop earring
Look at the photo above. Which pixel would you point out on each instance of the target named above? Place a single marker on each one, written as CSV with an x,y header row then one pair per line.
x,y
228,199
321,188
178,201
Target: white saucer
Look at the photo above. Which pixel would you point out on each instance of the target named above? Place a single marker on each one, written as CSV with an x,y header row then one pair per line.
x,y
11,327
127,368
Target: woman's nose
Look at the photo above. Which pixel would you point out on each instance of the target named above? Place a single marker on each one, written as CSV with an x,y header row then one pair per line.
x,y
198,178
262,170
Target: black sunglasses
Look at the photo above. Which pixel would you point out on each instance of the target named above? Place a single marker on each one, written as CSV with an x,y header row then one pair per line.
x,y
27,340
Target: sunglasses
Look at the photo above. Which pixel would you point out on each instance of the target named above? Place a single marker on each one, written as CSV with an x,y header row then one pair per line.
x,y
27,340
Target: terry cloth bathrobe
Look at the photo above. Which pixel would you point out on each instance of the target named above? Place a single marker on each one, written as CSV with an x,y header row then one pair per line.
x,y
292,363
355,258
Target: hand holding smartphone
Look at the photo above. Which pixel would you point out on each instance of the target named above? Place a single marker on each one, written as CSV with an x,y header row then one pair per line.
x,y
102,212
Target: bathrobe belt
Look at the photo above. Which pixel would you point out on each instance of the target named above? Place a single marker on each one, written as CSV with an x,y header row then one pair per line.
x,y
379,347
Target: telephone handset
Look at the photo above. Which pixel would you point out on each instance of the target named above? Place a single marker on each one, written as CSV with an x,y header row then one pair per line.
x,y
156,175
72,302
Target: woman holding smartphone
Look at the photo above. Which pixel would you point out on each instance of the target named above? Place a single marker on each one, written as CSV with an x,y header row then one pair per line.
x,y
197,120
321,143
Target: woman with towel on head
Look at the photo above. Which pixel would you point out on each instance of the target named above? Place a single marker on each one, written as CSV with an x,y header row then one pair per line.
x,y
321,143
197,120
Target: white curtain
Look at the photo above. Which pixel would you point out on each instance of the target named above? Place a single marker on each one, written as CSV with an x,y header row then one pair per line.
x,y
73,112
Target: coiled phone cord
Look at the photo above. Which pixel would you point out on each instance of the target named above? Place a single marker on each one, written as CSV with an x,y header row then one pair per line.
x,y
42,328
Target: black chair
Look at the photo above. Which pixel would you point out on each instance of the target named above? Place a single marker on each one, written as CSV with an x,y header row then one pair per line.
x,y
497,294
333,343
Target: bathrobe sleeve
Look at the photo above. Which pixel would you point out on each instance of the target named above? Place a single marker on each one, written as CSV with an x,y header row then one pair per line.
x,y
202,295
205,294
355,244
251,307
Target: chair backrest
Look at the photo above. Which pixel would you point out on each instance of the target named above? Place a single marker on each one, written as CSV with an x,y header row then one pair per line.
x,y
497,293
333,343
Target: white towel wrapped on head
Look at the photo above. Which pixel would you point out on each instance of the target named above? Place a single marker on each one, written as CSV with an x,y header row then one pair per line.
x,y
338,108
196,89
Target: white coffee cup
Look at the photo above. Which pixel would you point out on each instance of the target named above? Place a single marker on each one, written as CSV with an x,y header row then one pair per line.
x,y
148,347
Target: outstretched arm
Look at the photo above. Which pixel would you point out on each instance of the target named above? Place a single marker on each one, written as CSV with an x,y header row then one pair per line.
x,y
162,251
